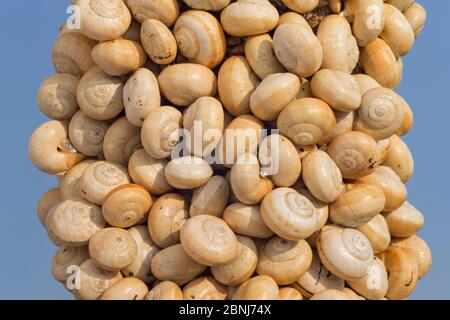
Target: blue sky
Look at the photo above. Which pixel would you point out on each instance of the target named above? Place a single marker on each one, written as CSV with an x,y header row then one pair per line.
x,y
28,30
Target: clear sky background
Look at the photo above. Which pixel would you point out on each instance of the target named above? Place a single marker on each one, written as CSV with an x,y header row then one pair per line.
x,y
28,30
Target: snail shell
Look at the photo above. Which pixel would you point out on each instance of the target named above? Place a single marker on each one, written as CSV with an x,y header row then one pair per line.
x,y
279,159
100,95
381,114
322,176
399,158
340,49
113,249
261,56
141,95
339,89
298,49
147,249
408,122
397,31
119,57
204,120
57,96
87,134
257,288
421,251
249,17
104,19
50,149
357,205
401,5
416,16
380,63
394,190
241,267
214,5
149,172
65,257
383,146
211,198
284,261
204,288
126,289
158,41
374,285
184,83
307,121
293,17
94,281
289,214
200,38
403,273
322,208
246,220
289,293
188,172
173,264
166,218
165,290
355,153
46,202
301,6
126,205
273,94
347,253
330,295
121,140
236,83
344,123
209,240
166,11
377,231
404,221
100,178
74,222
72,54
365,83
160,131
70,184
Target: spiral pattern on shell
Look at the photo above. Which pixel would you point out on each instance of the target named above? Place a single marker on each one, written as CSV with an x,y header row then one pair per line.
x,y
87,134
108,174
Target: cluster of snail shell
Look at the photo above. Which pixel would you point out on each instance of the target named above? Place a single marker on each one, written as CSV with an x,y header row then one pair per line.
x,y
332,223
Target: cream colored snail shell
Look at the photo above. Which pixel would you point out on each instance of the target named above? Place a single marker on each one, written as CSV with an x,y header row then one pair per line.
x,y
301,6
408,122
307,121
404,221
184,83
298,49
416,16
241,267
100,178
126,205
147,249
236,83
344,123
421,251
204,288
149,172
322,176
72,54
50,150
365,83
340,49
46,202
104,19
126,289
289,214
374,285
70,184
113,249
100,95
119,57
65,257
57,96
209,240
377,231
357,205
283,260
289,293
249,17
166,11
166,218
173,264
399,158
246,220
211,198
339,89
87,134
200,38
74,222
158,41
94,281
261,287
401,5
165,290
322,208
214,5
355,153
347,253
383,146
261,56
293,17
188,172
